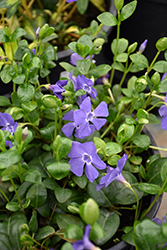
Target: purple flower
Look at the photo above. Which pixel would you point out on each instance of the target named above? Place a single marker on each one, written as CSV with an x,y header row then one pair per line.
x,y
58,88
34,51
84,120
114,174
102,79
85,243
164,76
7,123
70,1
85,155
163,112
143,46
37,32
75,57
86,84
159,222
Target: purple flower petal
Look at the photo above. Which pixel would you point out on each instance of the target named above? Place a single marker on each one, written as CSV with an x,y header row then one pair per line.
x,y
68,129
101,110
69,116
74,58
98,162
86,104
76,150
91,172
85,130
77,166
164,122
79,117
6,119
99,122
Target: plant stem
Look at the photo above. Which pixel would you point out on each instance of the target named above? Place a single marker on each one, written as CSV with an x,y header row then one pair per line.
x,y
4,195
28,12
117,38
51,217
70,13
105,132
18,198
153,61
137,205
158,148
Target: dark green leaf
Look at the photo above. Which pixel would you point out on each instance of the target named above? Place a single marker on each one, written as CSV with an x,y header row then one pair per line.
x,y
59,170
37,194
44,232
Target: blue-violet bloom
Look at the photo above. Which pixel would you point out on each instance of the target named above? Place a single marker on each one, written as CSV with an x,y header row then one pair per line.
x,y
163,112
85,243
114,174
37,32
164,76
70,1
86,84
85,155
75,57
143,46
7,123
159,222
58,88
85,121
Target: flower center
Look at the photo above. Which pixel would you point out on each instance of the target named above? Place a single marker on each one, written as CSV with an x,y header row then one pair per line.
x,y
87,158
89,116
9,128
86,88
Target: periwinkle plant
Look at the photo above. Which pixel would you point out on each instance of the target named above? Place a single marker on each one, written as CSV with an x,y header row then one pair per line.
x,y
72,157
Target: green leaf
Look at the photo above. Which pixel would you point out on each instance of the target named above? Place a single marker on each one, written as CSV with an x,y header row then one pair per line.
x,y
149,188
109,222
44,232
80,181
96,232
99,144
99,71
86,41
142,141
112,160
112,148
160,66
108,19
19,79
30,106
128,10
9,158
25,92
125,132
122,57
37,194
82,6
62,194
4,101
162,86
154,170
5,74
164,172
36,63
69,68
50,183
32,175
26,240
65,220
59,170
73,232
12,206
17,33
121,47
139,60
161,44
83,65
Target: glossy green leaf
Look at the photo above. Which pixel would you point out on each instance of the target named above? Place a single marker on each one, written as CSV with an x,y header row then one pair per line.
x,y
121,46
112,148
80,181
4,101
82,6
128,10
9,158
37,194
139,60
99,71
44,232
125,132
161,44
142,141
32,175
160,66
26,92
58,170
149,188
108,19
83,66
65,220
73,232
62,194
12,206
89,211
109,223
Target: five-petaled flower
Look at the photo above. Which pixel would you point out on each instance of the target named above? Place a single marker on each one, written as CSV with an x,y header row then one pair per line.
x,y
85,155
58,88
85,243
7,123
84,120
114,174
163,112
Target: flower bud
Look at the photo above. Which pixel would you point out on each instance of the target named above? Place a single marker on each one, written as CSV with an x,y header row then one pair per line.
x,y
37,32
143,46
89,211
24,134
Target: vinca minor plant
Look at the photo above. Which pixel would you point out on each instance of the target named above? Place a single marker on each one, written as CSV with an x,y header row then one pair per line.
x,y
78,168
